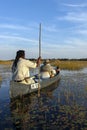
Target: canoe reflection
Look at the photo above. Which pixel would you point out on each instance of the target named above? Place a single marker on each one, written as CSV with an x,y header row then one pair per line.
x,y
29,111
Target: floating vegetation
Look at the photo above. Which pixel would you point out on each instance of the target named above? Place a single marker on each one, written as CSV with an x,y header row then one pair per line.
x,y
47,117
60,108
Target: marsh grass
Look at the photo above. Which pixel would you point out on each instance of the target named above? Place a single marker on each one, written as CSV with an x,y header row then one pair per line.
x,y
70,64
4,62
63,64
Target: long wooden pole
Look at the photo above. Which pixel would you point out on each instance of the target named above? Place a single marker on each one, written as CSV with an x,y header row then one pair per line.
x,y
39,56
40,40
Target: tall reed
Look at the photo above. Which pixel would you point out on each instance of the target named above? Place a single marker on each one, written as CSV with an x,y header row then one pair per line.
x,y
70,64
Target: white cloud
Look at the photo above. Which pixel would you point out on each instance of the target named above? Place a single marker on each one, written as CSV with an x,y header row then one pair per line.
x,y
83,32
76,5
73,48
11,26
51,28
74,17
15,38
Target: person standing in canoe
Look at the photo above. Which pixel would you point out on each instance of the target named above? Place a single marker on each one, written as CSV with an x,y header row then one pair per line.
x,y
47,71
21,67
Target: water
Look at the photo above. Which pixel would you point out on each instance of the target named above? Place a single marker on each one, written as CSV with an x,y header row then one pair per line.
x,y
62,107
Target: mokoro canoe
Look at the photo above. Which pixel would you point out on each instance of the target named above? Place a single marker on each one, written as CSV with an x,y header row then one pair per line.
x,y
19,89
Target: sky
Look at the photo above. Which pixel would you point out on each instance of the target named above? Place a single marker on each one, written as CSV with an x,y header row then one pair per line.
x,y
63,28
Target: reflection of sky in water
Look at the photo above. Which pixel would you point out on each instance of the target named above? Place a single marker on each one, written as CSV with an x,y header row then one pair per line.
x,y
73,87
67,72
70,93
72,82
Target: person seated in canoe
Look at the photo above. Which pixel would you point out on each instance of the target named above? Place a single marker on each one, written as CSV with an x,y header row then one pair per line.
x,y
47,70
21,67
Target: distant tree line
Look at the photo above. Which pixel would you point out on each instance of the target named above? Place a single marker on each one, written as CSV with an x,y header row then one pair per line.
x,y
61,59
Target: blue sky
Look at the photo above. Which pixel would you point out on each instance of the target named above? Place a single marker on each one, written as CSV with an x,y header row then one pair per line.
x,y
63,22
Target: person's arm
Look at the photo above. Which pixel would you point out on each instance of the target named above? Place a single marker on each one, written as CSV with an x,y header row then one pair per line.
x,y
32,64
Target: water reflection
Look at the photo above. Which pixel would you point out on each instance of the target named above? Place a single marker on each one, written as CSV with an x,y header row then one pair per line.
x,y
73,88
62,107
30,111
42,113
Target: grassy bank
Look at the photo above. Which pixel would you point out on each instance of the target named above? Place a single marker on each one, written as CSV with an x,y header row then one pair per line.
x,y
63,64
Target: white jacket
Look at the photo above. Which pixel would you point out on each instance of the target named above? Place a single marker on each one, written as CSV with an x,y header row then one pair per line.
x,y
22,70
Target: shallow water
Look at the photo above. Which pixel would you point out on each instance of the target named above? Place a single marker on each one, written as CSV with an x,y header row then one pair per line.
x,y
63,106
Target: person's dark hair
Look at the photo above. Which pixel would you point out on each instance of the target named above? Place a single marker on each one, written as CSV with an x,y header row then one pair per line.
x,y
19,54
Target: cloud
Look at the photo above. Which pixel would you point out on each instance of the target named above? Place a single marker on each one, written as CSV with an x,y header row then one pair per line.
x,y
74,17
74,12
61,38
15,38
51,28
82,31
71,48
11,26
77,17
76,5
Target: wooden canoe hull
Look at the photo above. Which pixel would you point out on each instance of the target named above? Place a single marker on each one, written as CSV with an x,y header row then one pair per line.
x,y
19,89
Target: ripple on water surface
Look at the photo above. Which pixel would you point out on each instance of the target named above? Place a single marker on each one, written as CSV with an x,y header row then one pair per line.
x,y
64,107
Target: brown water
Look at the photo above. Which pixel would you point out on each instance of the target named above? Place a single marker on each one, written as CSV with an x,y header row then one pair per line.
x,y
62,107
